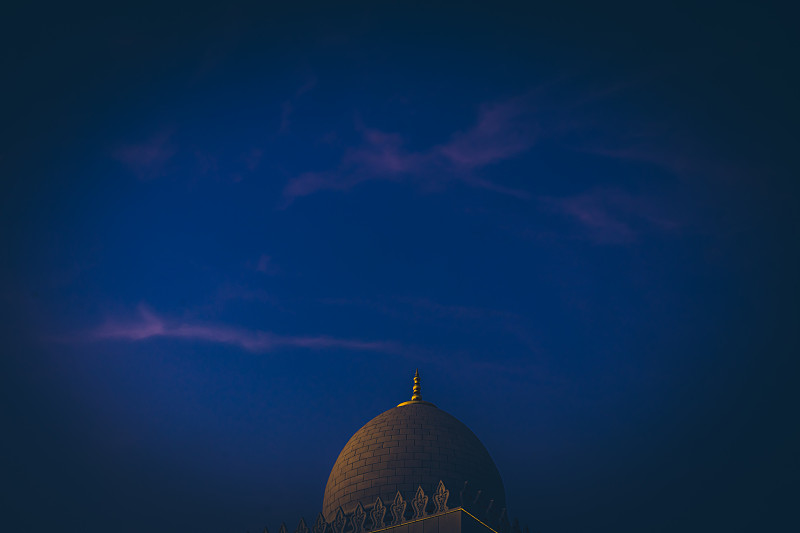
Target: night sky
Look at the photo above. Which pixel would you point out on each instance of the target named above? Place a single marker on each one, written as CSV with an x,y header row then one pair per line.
x,y
231,233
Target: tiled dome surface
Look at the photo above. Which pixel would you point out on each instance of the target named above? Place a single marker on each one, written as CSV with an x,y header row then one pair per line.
x,y
410,445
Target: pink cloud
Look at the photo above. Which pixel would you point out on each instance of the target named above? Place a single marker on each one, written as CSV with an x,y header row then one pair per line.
x,y
431,312
149,326
310,83
383,154
147,159
611,216
457,311
311,182
206,163
253,159
507,129
287,108
230,291
265,265
286,112
502,131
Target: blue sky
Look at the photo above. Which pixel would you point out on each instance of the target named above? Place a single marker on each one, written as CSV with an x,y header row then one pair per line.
x,y
231,235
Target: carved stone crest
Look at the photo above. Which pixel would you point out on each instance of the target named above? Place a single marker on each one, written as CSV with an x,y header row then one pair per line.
x,y
283,528
398,509
377,513
440,497
419,503
320,525
358,519
301,527
339,521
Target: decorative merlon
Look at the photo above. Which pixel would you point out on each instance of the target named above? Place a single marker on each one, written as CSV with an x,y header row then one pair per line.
x,y
373,517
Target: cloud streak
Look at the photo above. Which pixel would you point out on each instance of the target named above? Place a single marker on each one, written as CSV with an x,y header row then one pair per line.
x,y
147,159
151,326
266,265
503,130
596,122
610,216
288,106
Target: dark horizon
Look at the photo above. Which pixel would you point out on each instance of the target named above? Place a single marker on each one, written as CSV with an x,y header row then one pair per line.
x,y
231,233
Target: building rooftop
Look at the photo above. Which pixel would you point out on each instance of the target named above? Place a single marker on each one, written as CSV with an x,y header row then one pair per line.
x,y
413,445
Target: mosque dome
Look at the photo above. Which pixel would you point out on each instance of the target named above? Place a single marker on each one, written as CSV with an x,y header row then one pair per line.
x,y
414,444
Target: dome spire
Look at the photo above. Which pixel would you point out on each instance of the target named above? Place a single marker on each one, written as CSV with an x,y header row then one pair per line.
x,y
417,396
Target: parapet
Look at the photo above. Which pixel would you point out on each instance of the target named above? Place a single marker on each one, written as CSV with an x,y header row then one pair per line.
x,y
467,511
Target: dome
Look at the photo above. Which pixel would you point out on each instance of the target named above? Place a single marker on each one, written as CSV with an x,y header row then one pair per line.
x,y
413,444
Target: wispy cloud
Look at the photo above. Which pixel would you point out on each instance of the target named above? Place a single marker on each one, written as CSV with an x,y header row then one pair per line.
x,y
428,311
221,166
399,307
502,131
383,154
288,106
456,311
148,325
147,159
229,291
312,182
560,112
266,265
608,216
253,159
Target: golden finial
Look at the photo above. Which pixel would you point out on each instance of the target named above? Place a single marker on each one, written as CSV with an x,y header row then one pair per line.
x,y
417,396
